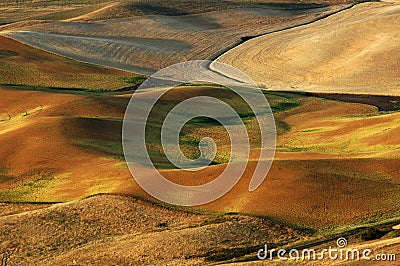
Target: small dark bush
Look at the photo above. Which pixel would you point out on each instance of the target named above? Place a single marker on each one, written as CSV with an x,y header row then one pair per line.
x,y
371,234
162,224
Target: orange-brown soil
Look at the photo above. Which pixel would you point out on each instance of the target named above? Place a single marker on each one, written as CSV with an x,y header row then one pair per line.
x,y
60,147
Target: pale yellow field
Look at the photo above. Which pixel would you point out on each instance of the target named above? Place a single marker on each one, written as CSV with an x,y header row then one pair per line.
x,y
354,51
131,43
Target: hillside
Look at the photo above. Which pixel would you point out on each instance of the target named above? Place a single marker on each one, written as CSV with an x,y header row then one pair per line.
x,y
26,66
354,51
49,141
115,229
68,68
111,229
133,41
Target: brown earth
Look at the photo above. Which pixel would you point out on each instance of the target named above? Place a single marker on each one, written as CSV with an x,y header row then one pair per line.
x,y
52,140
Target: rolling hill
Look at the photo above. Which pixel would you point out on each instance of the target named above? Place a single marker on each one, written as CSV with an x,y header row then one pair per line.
x,y
66,194
23,65
170,34
50,139
354,51
113,229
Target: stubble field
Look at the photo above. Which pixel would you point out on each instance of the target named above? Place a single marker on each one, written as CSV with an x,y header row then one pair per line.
x,y
67,196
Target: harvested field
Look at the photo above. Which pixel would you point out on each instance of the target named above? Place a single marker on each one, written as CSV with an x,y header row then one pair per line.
x,y
354,51
132,43
330,72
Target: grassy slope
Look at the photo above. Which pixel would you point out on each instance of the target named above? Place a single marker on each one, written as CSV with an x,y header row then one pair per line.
x,y
115,229
23,65
75,133
16,11
110,229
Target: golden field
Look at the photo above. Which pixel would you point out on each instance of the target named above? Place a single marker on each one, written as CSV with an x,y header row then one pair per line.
x,y
66,194
354,51
130,36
